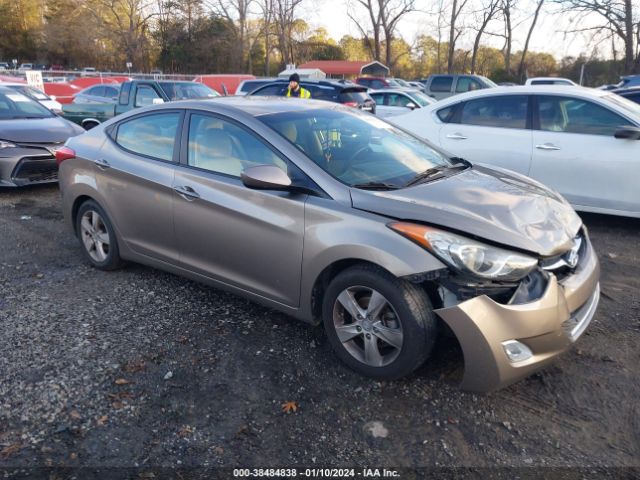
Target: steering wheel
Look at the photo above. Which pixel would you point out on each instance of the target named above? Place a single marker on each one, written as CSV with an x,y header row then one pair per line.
x,y
359,152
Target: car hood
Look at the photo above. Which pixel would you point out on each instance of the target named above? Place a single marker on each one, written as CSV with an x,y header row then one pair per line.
x,y
38,130
492,204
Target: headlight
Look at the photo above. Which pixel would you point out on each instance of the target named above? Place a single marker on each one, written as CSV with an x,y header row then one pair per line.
x,y
5,144
467,255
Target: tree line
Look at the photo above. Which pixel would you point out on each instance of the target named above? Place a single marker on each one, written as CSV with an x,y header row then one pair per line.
x,y
488,37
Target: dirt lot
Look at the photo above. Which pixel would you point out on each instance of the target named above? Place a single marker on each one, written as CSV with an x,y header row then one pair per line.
x,y
141,368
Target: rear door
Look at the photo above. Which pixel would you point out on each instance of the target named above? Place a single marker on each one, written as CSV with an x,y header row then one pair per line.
x,y
251,239
135,173
575,152
492,129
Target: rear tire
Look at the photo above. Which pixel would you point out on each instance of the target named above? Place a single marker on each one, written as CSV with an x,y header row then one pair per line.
x,y
379,325
97,237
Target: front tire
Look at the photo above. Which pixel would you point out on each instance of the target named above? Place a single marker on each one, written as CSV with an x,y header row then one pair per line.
x,y
379,325
97,237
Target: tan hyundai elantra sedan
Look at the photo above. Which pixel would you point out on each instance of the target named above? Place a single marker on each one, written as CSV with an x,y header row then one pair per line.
x,y
332,215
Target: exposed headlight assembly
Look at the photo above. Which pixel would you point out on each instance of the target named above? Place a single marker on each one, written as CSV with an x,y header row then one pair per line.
x,y
5,144
468,256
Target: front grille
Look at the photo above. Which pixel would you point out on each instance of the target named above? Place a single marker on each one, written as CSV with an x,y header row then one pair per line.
x,y
560,265
35,170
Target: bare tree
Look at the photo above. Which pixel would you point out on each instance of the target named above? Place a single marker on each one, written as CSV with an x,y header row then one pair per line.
x,y
455,30
236,12
489,12
619,17
507,8
526,43
284,14
383,18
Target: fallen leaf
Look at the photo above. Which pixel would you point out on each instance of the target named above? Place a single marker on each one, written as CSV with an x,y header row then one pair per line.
x,y
48,462
288,407
122,381
134,367
10,450
219,450
103,420
185,431
73,456
75,415
117,405
182,339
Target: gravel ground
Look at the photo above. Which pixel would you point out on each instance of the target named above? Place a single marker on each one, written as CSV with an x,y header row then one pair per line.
x,y
142,368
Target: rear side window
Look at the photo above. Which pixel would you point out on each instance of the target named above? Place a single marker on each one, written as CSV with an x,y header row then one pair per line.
x,y
97,91
466,84
508,111
124,93
378,98
446,114
151,135
321,92
359,96
574,115
441,84
110,92
145,96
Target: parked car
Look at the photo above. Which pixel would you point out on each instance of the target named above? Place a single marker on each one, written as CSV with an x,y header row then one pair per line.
x,y
631,93
326,219
134,94
4,66
377,82
88,72
418,86
247,86
629,81
25,66
550,81
444,86
580,141
29,137
391,102
37,95
338,91
101,93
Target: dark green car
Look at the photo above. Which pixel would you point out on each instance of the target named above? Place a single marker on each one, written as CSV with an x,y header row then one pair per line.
x,y
135,94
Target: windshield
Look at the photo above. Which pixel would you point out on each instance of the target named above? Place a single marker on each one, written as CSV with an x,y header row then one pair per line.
x,y
187,90
15,105
489,82
421,99
356,148
32,92
627,105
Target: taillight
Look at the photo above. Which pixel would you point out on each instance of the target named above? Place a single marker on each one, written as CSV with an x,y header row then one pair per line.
x,y
351,104
64,153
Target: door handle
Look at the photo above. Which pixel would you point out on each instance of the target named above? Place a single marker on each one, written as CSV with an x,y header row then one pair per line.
x,y
103,164
456,136
547,146
187,192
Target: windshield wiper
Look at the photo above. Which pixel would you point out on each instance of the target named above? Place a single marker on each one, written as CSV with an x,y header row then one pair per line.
x,y
434,173
376,186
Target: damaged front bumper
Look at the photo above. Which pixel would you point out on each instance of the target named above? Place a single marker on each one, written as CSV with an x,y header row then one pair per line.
x,y
546,326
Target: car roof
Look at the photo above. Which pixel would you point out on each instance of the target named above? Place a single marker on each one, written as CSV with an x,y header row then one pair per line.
x,y
255,106
394,90
525,90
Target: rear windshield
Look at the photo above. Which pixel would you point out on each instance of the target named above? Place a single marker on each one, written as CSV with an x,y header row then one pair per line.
x,y
15,105
187,90
359,96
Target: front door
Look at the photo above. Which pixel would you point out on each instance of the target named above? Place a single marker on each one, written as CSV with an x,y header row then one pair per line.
x,y
575,152
251,239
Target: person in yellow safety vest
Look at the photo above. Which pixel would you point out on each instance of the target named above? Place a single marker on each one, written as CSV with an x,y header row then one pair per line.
x,y
295,90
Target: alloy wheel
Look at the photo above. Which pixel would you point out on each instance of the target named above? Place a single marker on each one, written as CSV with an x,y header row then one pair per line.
x,y
95,236
368,326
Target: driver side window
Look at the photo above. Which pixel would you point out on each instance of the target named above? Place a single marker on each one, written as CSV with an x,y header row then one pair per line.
x,y
574,115
221,146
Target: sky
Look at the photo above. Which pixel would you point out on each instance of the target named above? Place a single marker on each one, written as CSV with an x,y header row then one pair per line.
x,y
547,37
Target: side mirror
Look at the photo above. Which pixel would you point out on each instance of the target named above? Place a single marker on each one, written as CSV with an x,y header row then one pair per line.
x,y
628,133
265,177
411,106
